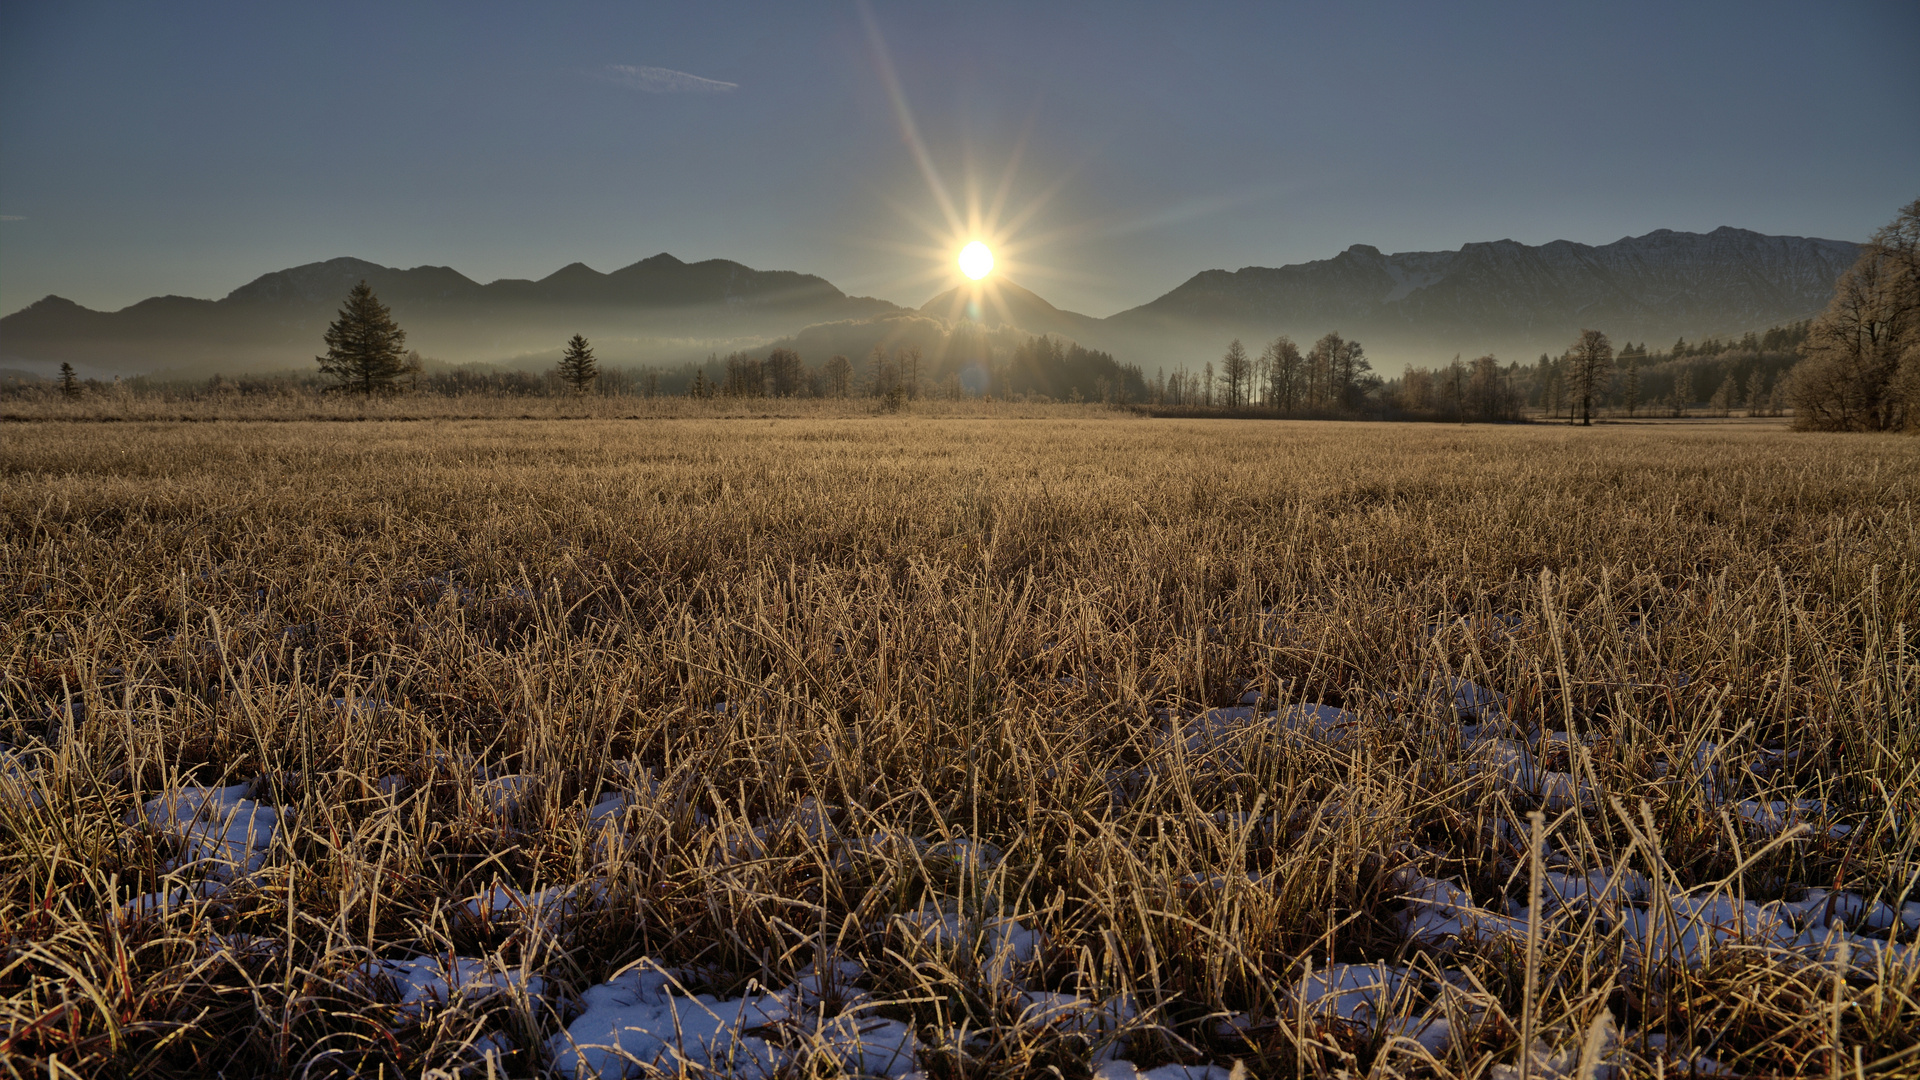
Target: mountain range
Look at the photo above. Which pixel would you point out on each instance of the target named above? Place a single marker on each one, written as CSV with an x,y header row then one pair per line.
x,y
1505,297
656,306
1510,298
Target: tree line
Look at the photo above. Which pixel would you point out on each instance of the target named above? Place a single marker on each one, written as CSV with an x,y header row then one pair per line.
x,y
1332,376
366,354
1854,367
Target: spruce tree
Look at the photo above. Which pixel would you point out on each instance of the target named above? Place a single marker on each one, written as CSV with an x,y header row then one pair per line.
x,y
364,345
69,383
578,368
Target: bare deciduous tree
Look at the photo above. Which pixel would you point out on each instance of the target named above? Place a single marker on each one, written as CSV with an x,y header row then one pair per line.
x,y
1589,363
786,375
1860,366
839,373
1284,370
1235,371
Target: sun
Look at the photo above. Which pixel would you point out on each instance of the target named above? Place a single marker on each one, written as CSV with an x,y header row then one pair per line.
x,y
976,260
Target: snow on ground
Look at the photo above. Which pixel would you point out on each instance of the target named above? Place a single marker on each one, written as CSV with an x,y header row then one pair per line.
x,y
641,1020
1124,1070
1222,733
1070,1012
17,779
506,795
439,979
1771,818
1000,945
149,905
1440,914
547,908
222,831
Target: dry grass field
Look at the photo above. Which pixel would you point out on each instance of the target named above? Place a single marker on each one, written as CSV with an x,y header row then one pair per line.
x,y
965,748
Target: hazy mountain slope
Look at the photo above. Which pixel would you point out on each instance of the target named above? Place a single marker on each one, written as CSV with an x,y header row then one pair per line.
x,y
1000,302
1506,296
656,309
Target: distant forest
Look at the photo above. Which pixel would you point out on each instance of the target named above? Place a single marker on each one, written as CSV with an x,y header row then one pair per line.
x,y
1330,378
922,358
1711,377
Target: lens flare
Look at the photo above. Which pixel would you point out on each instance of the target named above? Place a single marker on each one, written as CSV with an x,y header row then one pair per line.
x,y
976,260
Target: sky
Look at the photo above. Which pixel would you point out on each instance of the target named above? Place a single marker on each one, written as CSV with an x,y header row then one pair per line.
x,y
1107,150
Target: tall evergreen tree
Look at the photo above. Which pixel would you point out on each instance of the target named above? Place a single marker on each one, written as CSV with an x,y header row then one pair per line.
x,y
578,368
69,383
365,347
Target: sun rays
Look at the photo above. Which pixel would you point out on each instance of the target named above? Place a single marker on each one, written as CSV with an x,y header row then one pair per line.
x,y
978,242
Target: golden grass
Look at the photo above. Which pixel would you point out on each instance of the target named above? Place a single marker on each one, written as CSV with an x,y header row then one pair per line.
x,y
195,403
936,629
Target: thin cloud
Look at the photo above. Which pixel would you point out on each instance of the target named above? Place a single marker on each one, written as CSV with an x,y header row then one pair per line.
x,y
12,217
658,80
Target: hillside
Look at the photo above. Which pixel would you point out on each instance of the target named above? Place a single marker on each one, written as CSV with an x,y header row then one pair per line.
x,y
657,309
1505,296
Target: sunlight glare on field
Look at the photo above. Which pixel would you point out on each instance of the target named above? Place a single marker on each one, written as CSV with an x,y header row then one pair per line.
x,y
976,260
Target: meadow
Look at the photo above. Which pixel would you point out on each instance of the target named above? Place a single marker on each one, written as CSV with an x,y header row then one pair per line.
x,y
966,748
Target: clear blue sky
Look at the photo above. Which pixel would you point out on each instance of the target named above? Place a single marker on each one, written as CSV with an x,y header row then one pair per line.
x,y
176,148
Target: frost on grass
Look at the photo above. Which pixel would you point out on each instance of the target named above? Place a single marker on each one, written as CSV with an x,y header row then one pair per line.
x,y
999,946
431,980
1158,768
641,1022
222,832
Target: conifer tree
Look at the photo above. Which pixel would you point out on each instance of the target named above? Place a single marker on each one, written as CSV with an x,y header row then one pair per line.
x,y
1683,391
69,383
364,345
578,368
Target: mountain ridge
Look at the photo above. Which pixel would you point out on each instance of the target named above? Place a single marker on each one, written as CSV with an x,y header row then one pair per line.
x,y
1507,294
277,317
1499,296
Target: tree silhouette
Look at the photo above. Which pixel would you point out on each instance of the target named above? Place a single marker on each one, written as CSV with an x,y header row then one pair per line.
x,y
786,375
578,368
839,375
364,345
69,383
1236,371
1588,364
1861,360
1284,373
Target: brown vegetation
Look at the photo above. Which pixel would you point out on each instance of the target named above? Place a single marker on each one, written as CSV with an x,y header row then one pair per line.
x,y
812,655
